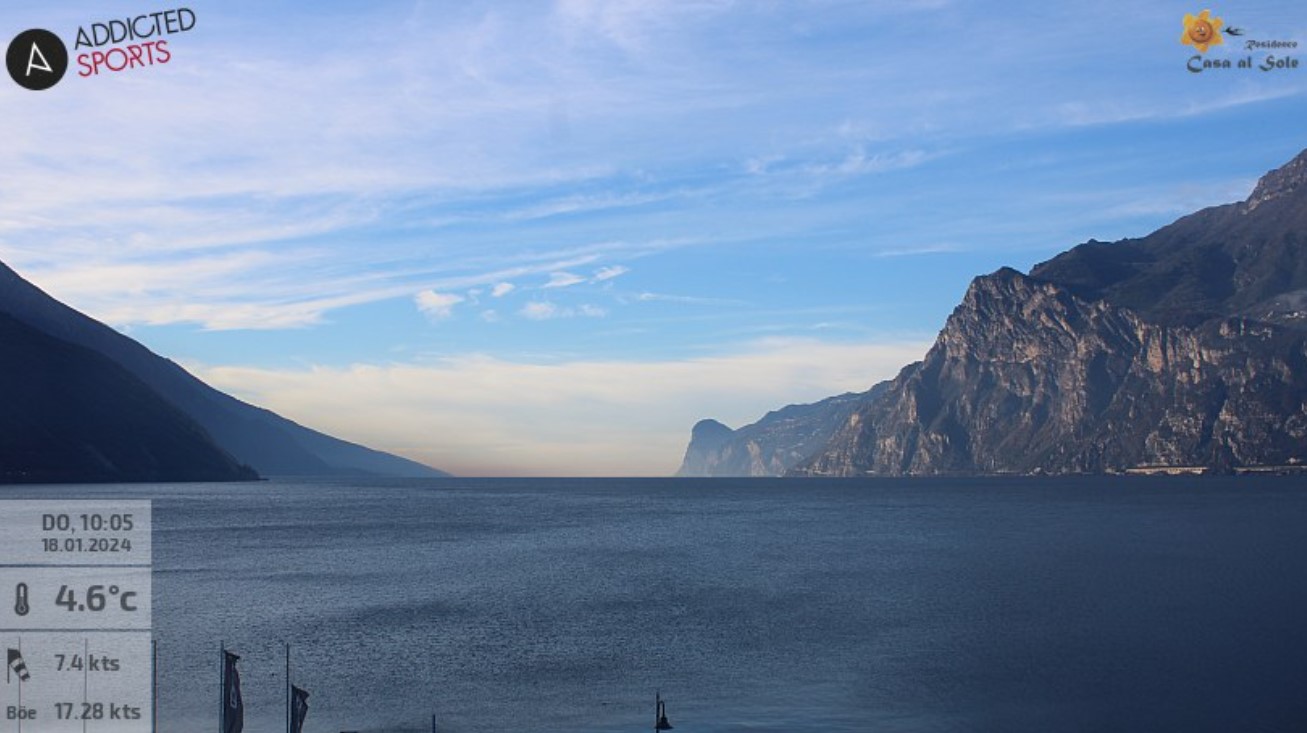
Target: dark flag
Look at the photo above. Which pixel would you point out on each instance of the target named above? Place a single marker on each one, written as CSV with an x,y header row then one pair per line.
x,y
233,708
660,713
299,708
18,666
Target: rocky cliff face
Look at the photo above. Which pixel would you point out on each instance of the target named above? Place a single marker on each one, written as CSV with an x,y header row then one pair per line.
x,y
1186,348
773,445
1028,378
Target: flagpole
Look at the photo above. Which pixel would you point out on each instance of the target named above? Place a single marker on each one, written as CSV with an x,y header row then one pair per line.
x,y
288,696
222,690
154,686
20,683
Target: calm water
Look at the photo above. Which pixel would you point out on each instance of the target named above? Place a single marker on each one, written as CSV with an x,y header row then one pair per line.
x,y
760,606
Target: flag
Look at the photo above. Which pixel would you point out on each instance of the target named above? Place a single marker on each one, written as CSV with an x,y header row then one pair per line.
x,y
233,708
299,708
18,666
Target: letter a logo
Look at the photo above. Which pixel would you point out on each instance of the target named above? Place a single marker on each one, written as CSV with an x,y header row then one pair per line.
x,y
33,63
36,59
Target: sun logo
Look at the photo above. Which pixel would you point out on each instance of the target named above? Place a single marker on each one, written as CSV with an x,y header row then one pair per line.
x,y
1202,31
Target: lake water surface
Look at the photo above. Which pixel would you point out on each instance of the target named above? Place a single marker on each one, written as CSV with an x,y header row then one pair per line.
x,y
754,605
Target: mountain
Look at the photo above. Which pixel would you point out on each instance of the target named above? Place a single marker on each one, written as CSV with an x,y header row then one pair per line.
x,y
1182,350
1026,377
72,415
1243,259
774,444
256,437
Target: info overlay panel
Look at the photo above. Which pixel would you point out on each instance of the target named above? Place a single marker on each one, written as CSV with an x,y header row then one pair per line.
x,y
75,616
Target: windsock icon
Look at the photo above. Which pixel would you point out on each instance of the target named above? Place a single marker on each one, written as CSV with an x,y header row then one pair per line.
x,y
17,666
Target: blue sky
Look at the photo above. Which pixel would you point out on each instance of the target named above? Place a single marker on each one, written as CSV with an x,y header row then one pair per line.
x,y
547,237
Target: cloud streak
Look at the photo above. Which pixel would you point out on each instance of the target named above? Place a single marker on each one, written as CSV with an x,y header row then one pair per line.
x,y
437,306
543,310
563,280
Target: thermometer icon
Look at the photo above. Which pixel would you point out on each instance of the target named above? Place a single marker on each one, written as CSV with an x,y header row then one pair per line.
x,y
20,601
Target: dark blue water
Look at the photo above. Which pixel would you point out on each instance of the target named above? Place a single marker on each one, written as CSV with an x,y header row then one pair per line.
x,y
754,605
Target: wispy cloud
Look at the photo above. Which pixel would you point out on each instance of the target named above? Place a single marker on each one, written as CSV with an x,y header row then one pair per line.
x,y
648,297
859,162
590,203
1115,112
609,273
563,280
560,280
635,26
539,311
437,306
543,310
919,251
254,288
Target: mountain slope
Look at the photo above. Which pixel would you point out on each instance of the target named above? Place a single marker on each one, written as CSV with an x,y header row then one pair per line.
x,y
1246,259
1026,377
773,445
72,415
256,437
1185,348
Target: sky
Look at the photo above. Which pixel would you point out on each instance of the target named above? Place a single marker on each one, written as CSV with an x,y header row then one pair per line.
x,y
546,238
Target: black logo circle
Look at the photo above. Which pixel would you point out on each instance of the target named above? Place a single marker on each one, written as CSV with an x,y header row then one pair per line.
x,y
37,59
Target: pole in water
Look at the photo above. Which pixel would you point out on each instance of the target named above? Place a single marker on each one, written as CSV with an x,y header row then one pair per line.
x,y
222,688
660,713
154,686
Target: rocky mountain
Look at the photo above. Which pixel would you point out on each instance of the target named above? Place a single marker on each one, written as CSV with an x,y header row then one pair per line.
x,y
1185,349
1026,377
72,415
774,444
1244,259
255,437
